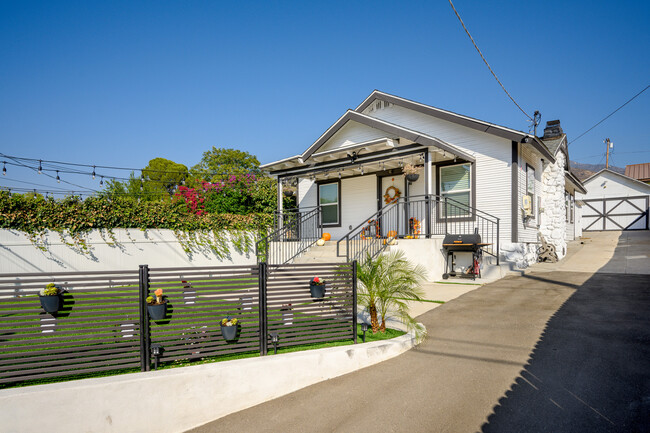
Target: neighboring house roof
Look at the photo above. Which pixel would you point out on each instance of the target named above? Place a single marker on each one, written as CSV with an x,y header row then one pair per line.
x,y
470,122
638,171
606,170
575,181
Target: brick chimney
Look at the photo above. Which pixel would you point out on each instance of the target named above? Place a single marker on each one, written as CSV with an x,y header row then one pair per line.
x,y
553,129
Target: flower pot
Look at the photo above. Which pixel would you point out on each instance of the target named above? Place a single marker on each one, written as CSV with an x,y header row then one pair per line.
x,y
157,311
51,303
229,332
412,177
317,290
288,192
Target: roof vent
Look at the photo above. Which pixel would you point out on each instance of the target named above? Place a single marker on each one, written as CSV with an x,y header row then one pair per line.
x,y
553,129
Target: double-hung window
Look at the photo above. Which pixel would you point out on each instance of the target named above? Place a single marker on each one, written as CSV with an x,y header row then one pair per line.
x,y
455,185
530,186
328,199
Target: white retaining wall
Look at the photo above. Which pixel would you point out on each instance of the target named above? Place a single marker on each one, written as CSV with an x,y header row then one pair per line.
x,y
179,399
156,248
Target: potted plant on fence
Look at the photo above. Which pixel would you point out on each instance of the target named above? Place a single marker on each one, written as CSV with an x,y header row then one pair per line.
x,y
229,328
157,307
317,288
51,298
411,172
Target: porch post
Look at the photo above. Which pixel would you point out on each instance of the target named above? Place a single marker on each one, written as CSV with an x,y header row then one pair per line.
x,y
280,218
427,193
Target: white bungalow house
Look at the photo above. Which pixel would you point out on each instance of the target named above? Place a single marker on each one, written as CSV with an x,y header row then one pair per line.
x,y
474,177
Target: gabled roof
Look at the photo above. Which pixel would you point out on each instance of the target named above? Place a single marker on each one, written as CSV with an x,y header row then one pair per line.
x,y
575,181
390,128
606,170
470,122
638,171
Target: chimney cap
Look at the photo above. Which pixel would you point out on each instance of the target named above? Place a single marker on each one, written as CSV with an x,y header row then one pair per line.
x,y
553,129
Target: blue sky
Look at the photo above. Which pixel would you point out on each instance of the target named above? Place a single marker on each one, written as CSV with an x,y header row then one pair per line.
x,y
119,83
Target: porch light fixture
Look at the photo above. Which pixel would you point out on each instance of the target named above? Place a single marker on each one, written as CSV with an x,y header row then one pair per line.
x,y
157,351
275,338
364,328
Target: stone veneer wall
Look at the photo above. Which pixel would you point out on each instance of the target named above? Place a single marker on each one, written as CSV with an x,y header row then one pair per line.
x,y
553,210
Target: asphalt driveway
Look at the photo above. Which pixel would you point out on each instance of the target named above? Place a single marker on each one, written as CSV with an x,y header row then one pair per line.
x,y
548,351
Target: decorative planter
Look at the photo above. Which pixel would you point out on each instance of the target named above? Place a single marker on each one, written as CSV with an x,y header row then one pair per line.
x,y
229,332
288,192
157,311
317,290
51,303
412,177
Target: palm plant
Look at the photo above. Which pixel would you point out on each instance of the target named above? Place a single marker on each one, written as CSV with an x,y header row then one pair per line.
x,y
386,283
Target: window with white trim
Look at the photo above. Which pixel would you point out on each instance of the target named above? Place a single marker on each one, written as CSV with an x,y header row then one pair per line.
x,y
328,199
530,186
456,185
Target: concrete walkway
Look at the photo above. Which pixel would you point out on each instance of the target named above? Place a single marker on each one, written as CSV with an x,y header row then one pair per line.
x,y
552,350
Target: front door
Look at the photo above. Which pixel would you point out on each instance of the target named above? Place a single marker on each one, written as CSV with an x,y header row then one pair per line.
x,y
392,186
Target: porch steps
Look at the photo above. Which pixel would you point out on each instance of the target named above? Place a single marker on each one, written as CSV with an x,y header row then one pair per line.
x,y
324,254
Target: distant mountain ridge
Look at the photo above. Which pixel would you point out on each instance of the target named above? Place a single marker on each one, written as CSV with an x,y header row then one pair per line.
x,y
583,171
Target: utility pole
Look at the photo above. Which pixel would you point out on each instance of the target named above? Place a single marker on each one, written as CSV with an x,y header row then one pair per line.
x,y
609,145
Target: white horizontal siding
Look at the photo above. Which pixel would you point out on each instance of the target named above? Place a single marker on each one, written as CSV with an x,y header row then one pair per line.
x,y
306,193
358,201
352,133
610,185
528,232
493,158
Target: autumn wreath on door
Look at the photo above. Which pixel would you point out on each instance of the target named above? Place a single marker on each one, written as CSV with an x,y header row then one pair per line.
x,y
392,194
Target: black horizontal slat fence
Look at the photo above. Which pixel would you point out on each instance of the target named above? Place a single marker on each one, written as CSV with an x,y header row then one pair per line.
x,y
299,319
96,329
104,324
197,302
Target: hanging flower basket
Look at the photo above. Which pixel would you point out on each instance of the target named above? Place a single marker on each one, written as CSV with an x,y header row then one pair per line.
x,y
317,288
157,306
229,328
51,298
412,177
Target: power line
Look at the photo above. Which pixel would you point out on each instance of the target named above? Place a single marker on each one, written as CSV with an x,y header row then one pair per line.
x,y
487,64
609,115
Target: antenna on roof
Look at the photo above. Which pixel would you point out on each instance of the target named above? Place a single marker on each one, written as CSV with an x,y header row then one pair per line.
x,y
537,117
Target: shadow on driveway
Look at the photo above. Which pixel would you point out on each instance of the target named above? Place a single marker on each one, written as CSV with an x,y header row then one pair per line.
x,y
590,370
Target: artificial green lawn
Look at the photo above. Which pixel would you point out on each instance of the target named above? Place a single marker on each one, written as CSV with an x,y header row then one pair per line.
x,y
390,333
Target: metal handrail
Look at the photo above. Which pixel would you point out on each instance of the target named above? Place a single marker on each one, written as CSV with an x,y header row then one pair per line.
x,y
290,240
419,216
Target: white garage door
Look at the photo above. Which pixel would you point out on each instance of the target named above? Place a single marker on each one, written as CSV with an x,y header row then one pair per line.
x,y
615,213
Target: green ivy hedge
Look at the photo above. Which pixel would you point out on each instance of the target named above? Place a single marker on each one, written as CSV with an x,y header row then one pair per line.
x,y
35,214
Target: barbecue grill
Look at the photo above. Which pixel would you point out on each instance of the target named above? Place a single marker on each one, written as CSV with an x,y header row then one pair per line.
x,y
470,243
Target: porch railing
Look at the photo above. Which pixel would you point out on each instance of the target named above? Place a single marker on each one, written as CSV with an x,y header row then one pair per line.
x,y
418,217
295,232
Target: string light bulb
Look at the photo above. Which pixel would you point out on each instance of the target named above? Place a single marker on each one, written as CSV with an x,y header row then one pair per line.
x,y
93,172
339,174
40,166
362,170
4,168
101,182
58,179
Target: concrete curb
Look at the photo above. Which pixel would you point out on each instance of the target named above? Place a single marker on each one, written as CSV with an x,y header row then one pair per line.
x,y
179,399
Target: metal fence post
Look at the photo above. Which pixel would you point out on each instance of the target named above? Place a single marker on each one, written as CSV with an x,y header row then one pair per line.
x,y
145,331
263,319
354,300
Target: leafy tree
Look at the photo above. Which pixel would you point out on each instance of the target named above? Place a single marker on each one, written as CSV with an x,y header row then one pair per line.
x,y
159,180
163,175
218,164
385,284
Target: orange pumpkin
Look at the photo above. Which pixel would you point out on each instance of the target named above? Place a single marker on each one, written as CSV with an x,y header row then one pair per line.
x,y
327,236
392,234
